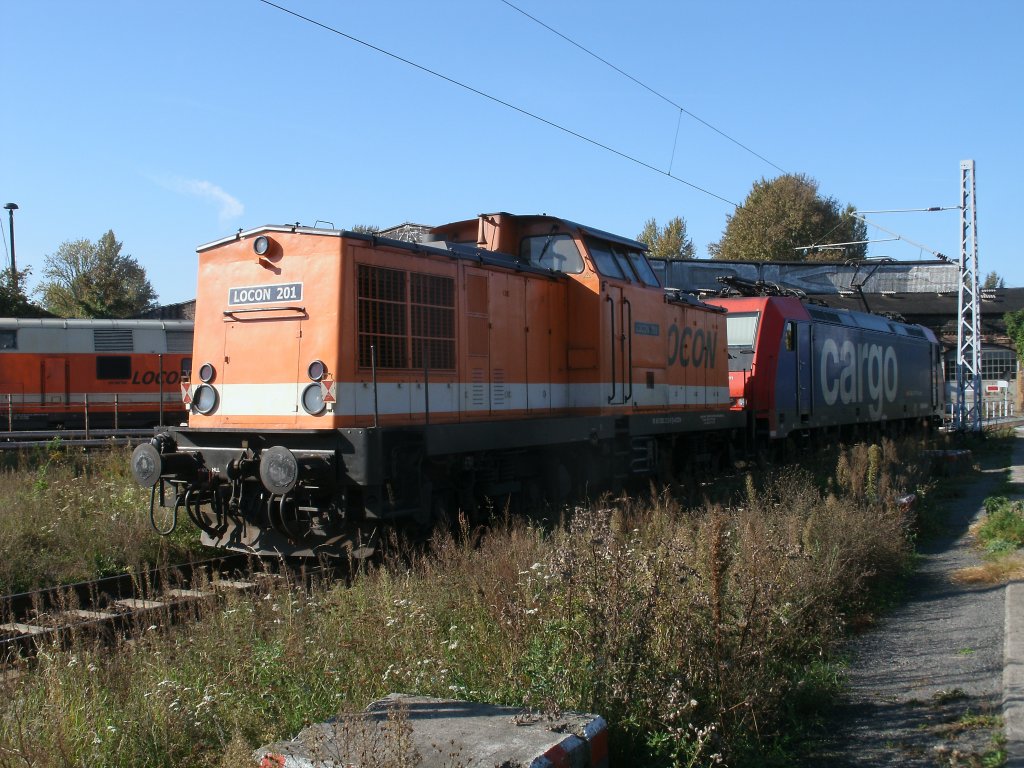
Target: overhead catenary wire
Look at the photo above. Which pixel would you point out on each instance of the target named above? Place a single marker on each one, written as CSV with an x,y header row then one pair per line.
x,y
663,97
497,100
897,236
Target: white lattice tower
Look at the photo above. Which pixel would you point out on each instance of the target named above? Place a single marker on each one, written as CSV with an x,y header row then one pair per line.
x,y
967,416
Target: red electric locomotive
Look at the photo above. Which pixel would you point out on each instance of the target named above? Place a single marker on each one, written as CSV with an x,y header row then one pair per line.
x,y
795,367
347,383
52,372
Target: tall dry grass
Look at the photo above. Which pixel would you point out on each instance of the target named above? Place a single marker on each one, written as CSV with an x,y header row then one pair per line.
x,y
67,516
700,635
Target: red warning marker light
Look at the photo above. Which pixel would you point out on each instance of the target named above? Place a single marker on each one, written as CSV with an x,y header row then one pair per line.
x,y
329,387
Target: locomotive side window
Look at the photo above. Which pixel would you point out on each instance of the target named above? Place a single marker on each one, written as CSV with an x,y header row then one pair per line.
x,y
624,263
556,252
8,340
790,336
604,259
643,268
113,367
402,312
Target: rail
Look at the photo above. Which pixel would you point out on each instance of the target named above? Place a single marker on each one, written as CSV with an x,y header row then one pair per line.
x,y
35,619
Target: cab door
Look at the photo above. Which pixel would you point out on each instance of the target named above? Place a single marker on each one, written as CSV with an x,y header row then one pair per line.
x,y
54,375
261,375
803,371
618,339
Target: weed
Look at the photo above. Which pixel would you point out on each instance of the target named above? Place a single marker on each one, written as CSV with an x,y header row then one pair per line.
x,y
70,516
698,634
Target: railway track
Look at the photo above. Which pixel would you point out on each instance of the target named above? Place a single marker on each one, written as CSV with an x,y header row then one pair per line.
x,y
112,606
82,438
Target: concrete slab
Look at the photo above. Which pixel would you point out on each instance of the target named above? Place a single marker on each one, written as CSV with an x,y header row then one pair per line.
x,y
1013,647
1013,675
441,733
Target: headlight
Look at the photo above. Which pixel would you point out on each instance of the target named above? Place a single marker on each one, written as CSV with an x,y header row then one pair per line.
x,y
204,399
313,399
279,470
207,372
316,370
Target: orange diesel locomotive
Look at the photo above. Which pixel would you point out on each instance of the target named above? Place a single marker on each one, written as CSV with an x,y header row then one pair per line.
x,y
54,372
345,382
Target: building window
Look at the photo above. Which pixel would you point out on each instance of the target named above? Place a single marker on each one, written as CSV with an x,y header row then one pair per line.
x,y
997,364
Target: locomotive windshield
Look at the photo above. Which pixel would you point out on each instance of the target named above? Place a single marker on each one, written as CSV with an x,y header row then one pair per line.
x,y
556,252
741,329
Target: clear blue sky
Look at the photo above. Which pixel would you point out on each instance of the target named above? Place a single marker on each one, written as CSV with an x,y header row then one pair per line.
x,y
176,123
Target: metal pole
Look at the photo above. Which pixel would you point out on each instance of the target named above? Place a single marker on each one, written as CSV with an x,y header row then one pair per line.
x,y
10,413
85,399
373,373
426,381
160,357
11,208
115,410
967,418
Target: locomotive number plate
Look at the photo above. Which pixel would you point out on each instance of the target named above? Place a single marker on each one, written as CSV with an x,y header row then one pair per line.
x,y
264,294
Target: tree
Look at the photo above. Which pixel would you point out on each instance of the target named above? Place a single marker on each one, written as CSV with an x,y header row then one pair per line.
x,y
786,214
1015,330
669,242
83,279
993,281
13,301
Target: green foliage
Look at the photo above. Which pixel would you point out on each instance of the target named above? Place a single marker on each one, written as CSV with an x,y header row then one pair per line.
x,y
787,213
1015,329
993,281
1002,531
13,300
668,242
85,279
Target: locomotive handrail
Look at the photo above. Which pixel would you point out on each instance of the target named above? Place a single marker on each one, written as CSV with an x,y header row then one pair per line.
x,y
611,308
627,335
250,310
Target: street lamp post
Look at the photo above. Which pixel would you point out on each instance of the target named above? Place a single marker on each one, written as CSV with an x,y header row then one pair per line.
x,y
11,208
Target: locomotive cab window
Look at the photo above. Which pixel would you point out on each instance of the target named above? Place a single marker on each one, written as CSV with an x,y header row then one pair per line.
x,y
790,336
555,252
604,260
8,340
113,367
643,268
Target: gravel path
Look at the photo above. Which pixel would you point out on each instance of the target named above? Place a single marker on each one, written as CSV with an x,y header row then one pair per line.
x,y
925,685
